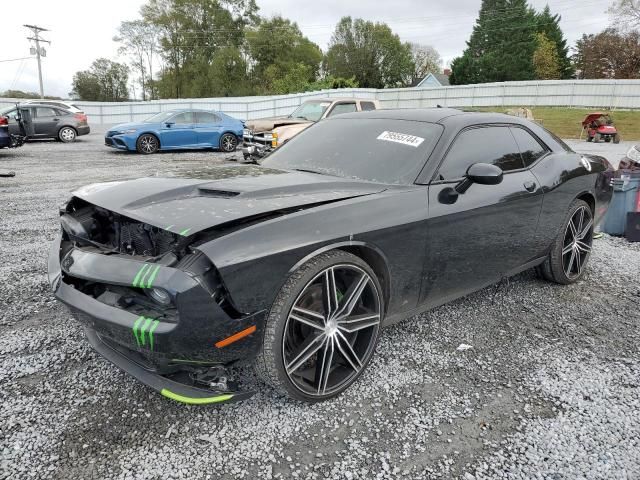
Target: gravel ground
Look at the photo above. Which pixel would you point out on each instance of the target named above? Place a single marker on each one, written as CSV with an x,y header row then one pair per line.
x,y
549,389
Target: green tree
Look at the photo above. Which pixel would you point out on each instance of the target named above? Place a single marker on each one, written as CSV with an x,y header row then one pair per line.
x,y
501,45
279,48
549,24
191,33
104,81
545,59
369,52
138,40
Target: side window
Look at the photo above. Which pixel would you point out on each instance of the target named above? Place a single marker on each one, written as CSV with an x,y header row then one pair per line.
x,y
206,117
11,115
530,148
342,108
183,118
366,106
45,112
62,113
493,145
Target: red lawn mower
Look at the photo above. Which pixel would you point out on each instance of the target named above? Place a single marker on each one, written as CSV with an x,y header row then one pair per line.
x,y
599,126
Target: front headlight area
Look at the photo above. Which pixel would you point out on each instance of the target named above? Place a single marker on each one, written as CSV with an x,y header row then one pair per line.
x,y
128,131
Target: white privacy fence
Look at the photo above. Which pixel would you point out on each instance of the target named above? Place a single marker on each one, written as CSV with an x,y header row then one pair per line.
x,y
624,94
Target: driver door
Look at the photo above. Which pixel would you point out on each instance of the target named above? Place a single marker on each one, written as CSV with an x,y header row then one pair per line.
x,y
179,131
486,232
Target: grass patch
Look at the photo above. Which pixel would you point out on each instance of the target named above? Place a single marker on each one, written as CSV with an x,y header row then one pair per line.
x,y
566,122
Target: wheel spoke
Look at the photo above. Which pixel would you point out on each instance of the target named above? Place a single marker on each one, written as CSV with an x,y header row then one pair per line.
x,y
580,212
347,351
572,227
329,292
358,322
583,247
567,249
352,296
578,261
325,367
307,317
310,346
571,260
585,230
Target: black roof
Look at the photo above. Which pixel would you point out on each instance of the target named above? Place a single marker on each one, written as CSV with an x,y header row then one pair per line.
x,y
434,115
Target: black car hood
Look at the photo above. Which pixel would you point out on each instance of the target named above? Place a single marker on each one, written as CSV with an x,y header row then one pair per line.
x,y
220,195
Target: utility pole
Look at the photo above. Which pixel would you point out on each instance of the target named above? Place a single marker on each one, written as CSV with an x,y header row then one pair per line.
x,y
36,38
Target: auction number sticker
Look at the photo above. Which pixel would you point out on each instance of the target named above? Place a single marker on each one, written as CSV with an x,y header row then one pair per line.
x,y
403,138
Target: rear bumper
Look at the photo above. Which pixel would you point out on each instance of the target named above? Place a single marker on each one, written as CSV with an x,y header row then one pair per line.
x,y
159,345
5,138
84,130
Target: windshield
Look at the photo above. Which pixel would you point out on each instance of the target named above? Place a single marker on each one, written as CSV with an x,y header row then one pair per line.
x,y
311,111
160,117
376,150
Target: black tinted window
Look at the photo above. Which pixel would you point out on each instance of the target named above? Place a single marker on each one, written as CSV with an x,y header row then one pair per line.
x,y
366,106
184,118
342,108
206,117
493,145
386,151
530,148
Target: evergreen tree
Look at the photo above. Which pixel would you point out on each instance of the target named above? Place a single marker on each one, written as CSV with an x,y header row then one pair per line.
x,y
501,45
545,59
550,25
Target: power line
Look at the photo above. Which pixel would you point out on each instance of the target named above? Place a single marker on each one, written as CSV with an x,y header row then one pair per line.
x,y
15,59
36,38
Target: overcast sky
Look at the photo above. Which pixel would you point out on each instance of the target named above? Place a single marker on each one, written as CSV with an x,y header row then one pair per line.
x,y
82,31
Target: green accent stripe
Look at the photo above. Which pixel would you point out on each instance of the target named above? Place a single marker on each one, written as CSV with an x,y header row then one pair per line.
x,y
195,401
135,329
184,232
145,276
151,330
144,328
137,277
169,227
153,277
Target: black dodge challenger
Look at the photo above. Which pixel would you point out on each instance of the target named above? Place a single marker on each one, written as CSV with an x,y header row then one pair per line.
x,y
295,264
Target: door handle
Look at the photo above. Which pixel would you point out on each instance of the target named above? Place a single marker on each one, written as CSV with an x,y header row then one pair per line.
x,y
530,186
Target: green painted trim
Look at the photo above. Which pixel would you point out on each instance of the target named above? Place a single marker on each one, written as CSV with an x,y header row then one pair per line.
x,y
143,280
153,277
169,227
184,232
195,401
151,330
144,328
137,277
135,329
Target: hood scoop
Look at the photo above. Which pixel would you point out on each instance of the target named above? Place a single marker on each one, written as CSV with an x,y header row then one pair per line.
x,y
213,193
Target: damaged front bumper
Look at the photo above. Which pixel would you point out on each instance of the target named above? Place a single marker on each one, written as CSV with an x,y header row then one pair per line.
x,y
256,146
156,348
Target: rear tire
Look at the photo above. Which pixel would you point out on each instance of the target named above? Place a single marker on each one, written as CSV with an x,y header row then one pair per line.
x,y
340,328
616,138
571,249
597,137
67,135
589,138
147,144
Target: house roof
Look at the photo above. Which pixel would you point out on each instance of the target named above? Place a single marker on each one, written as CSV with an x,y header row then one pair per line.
x,y
440,78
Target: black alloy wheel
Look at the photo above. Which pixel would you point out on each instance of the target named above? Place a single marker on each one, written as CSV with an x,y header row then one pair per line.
x,y
571,250
319,340
228,142
147,144
578,239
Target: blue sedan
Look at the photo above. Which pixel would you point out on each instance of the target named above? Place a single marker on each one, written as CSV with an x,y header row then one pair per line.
x,y
178,129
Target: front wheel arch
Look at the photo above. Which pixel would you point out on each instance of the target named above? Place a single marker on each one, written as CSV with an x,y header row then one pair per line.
x,y
370,254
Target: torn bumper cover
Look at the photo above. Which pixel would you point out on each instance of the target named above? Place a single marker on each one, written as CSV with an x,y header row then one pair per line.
x,y
157,347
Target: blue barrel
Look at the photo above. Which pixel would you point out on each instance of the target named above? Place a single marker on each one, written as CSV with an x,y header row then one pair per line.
x,y
623,202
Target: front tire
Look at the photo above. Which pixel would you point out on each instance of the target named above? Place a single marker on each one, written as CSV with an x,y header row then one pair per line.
x,y
67,135
228,142
147,144
322,329
572,247
616,138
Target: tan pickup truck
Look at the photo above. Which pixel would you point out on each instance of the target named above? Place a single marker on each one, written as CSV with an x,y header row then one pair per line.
x,y
262,136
